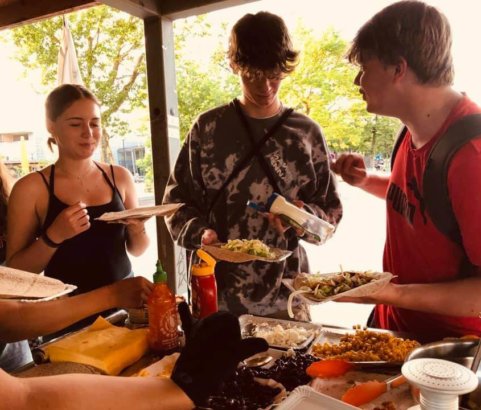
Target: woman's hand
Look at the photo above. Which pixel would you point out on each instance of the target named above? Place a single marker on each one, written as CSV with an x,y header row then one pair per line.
x,y
131,292
69,223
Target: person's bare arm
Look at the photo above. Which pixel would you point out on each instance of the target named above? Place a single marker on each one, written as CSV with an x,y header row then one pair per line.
x,y
91,392
137,238
352,169
454,298
24,250
23,320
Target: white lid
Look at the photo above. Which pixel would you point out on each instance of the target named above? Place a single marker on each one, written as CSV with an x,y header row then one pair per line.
x,y
440,376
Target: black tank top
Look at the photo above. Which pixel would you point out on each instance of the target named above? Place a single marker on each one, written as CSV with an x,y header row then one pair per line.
x,y
96,257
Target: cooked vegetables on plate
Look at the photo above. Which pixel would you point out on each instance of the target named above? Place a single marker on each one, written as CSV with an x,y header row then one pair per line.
x,y
246,250
319,288
250,246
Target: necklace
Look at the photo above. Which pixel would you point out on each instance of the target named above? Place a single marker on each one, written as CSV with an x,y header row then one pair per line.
x,y
80,178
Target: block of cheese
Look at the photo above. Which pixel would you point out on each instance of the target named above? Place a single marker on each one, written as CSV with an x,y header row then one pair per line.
x,y
105,346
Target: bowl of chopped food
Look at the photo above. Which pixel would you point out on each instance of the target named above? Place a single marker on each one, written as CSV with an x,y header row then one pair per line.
x,y
279,334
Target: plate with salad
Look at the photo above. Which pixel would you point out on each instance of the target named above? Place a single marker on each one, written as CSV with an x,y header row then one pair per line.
x,y
246,250
319,288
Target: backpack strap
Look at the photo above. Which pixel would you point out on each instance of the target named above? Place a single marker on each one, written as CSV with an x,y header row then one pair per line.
x,y
435,178
399,139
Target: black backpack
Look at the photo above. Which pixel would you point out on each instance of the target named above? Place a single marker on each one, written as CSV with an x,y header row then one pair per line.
x,y
435,178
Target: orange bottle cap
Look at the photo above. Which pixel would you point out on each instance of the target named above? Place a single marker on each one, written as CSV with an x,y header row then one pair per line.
x,y
207,258
206,266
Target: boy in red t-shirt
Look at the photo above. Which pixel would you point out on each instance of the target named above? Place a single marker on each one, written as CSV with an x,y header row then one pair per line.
x,y
406,72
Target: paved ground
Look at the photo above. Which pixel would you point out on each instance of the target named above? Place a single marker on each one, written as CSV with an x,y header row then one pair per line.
x,y
357,244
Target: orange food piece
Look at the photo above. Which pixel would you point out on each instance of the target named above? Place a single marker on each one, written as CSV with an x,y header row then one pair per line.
x,y
364,393
329,368
469,337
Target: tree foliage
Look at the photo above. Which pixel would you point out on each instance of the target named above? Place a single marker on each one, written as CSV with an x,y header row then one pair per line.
x,y
201,87
110,51
322,88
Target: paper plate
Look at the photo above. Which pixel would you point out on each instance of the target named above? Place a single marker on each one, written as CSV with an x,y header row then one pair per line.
x,y
381,279
18,284
141,212
240,257
306,398
161,368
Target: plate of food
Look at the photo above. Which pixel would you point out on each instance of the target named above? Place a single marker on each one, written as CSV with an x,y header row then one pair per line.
x,y
246,250
368,348
142,212
280,334
26,286
319,288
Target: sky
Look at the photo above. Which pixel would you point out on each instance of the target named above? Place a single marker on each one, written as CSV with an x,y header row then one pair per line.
x,y
22,108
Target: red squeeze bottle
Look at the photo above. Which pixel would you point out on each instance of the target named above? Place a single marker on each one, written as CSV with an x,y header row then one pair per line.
x,y
163,336
204,286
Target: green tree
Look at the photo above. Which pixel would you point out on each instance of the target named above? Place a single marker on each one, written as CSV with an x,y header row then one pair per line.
x,y
110,51
322,88
201,87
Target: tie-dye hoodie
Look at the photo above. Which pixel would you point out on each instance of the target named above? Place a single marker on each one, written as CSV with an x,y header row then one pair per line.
x,y
298,157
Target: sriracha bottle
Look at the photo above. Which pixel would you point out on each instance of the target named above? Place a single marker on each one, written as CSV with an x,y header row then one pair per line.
x,y
204,286
163,336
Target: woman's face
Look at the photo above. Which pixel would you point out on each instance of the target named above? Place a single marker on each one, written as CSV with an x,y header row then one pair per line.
x,y
77,130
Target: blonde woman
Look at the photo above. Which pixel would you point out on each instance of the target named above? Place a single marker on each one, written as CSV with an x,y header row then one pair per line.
x,y
52,212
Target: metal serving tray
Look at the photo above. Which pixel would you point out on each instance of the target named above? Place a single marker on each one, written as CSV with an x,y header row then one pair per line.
x,y
333,335
250,323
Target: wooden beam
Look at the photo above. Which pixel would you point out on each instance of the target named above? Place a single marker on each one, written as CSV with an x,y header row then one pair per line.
x,y
163,107
175,9
138,8
28,11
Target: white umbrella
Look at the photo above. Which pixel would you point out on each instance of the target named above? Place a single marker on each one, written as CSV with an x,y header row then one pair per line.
x,y
68,70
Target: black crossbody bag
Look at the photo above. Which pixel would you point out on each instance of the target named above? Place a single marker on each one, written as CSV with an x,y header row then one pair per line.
x,y
254,152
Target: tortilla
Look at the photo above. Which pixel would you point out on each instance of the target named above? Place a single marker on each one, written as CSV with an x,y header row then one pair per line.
x,y
380,279
140,213
18,284
240,257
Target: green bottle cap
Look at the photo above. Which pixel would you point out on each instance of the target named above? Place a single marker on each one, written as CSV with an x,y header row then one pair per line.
x,y
160,276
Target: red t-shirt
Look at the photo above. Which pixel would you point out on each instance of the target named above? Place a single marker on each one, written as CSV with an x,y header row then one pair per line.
x,y
416,251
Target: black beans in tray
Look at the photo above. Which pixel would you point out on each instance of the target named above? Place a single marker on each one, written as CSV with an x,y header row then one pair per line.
x,y
242,392
290,371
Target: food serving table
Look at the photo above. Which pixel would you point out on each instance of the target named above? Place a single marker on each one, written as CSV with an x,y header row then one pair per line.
x,y
316,333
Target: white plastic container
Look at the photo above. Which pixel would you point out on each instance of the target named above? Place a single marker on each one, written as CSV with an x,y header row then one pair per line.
x,y
318,229
440,382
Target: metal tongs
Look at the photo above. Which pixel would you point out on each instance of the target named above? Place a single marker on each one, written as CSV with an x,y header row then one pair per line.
x,y
476,358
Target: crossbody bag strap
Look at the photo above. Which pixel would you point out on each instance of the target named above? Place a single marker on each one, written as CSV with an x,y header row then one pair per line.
x,y
269,133
248,158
